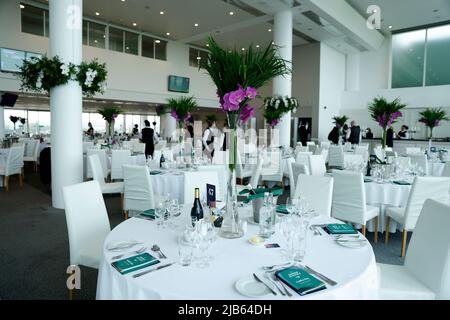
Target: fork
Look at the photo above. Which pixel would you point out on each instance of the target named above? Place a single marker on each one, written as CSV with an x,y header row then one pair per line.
x,y
141,250
268,277
272,276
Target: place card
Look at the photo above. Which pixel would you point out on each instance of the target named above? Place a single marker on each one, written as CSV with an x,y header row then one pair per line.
x,y
300,281
134,263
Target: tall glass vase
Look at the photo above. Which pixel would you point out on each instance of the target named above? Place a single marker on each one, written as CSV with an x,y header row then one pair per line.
x,y
231,227
180,144
384,139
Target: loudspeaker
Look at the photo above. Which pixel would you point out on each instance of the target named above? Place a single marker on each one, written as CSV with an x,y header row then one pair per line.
x,y
8,99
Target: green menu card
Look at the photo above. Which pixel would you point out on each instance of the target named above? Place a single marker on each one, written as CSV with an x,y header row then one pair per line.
x,y
134,263
148,214
340,229
300,281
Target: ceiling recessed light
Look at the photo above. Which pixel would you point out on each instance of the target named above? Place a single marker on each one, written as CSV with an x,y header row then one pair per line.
x,y
257,45
390,27
270,30
243,49
161,12
97,13
374,11
207,44
231,13
196,25
123,0
134,24
128,48
199,58
157,41
22,6
167,33
95,41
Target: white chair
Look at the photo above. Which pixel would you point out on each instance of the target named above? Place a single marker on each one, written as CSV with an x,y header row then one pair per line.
x,y
313,148
298,169
243,171
13,166
403,162
413,150
349,200
194,180
325,144
256,175
347,146
273,167
128,145
103,161
118,159
379,153
87,223
138,190
310,143
222,175
32,153
139,147
300,148
336,156
446,171
87,145
303,158
220,157
353,160
317,165
318,192
423,188
97,173
364,145
420,161
426,272
363,151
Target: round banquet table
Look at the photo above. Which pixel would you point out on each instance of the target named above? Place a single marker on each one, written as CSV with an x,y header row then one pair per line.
x,y
386,195
353,269
168,182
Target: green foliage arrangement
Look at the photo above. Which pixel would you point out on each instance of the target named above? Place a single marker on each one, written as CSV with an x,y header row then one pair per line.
x,y
276,107
432,117
181,109
340,120
110,113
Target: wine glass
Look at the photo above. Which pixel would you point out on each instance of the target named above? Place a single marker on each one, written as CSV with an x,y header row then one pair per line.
x,y
160,213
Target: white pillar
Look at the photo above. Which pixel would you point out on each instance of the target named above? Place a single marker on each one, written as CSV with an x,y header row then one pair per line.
x,y
66,101
2,124
283,85
168,125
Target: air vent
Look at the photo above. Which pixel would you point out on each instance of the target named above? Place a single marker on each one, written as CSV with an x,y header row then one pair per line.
x,y
245,7
355,44
323,23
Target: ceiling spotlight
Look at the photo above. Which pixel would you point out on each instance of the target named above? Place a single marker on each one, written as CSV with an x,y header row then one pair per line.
x,y
243,49
257,45
167,33
196,25
22,6
123,0
231,13
270,30
374,11
199,58
207,44
157,41
161,12
390,27
97,13
134,24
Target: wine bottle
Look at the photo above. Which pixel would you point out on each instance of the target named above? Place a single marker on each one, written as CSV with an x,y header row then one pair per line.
x,y
197,210
161,160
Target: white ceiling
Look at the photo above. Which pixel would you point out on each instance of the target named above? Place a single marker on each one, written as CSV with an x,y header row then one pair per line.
x,y
404,14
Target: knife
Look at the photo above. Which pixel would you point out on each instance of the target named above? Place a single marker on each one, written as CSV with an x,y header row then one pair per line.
x,y
259,280
148,271
321,276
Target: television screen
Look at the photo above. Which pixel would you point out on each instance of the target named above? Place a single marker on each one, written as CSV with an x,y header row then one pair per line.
x,y
178,84
11,60
30,55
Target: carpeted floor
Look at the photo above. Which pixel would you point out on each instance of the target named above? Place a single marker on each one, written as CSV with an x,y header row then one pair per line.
x,y
34,247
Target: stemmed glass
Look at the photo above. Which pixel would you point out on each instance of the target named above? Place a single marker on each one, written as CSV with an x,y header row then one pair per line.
x,y
160,214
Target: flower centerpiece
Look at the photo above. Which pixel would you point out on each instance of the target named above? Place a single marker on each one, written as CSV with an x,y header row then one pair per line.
x,y
432,117
237,76
385,114
14,120
276,107
22,120
110,114
340,121
181,109
42,74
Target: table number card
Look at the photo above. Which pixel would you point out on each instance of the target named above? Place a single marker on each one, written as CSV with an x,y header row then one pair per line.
x,y
211,195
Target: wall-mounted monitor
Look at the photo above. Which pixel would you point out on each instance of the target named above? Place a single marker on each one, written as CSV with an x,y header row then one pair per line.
x,y
11,60
178,84
29,55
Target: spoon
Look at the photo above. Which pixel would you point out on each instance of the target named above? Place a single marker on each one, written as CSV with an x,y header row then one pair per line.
x,y
157,249
141,250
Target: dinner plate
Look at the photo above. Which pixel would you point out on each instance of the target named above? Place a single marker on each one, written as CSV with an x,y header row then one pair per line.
x,y
122,245
352,244
249,287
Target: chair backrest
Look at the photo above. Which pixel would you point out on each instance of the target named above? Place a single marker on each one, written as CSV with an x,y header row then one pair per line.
x,y
30,147
446,171
14,160
220,157
36,150
428,255
96,167
87,223
119,158
310,143
87,145
300,148
413,150
378,152
303,158
127,144
423,188
313,148
352,160
222,175
347,146
194,180
362,150
349,198
421,161
103,161
325,144
364,145
256,174
139,147
336,156
298,169
317,165
318,192
273,166
403,162
138,188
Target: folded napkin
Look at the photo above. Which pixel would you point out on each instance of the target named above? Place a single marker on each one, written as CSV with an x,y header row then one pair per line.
x,y
148,214
282,209
402,183
368,180
134,263
300,281
340,229
155,172
259,193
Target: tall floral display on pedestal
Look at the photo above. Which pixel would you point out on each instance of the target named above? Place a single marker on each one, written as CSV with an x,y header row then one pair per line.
x,y
340,122
432,117
385,114
110,114
181,109
237,76
276,107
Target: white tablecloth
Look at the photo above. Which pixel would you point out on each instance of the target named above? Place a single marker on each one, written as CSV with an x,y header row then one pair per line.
x,y
166,183
385,195
135,160
353,269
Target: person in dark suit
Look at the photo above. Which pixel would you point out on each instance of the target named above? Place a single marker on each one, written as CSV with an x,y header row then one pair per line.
x,y
90,131
333,136
369,134
390,137
135,130
303,134
148,139
355,132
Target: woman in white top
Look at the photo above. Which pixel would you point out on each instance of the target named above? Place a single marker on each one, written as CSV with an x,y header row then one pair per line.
x,y
208,139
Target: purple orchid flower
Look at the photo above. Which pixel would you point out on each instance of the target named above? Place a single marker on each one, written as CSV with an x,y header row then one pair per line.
x,y
250,93
174,114
274,122
246,113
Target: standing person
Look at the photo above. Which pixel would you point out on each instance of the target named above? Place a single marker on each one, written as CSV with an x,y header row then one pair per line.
x,y
390,137
226,130
333,136
345,133
403,133
208,139
148,139
303,134
135,130
369,134
90,131
355,132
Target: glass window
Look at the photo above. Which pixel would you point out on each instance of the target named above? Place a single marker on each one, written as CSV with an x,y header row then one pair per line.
x,y
98,123
32,19
195,56
408,52
115,39
85,32
131,43
148,47
97,35
160,50
438,52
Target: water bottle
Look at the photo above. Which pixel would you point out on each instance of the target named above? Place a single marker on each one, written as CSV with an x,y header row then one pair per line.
x,y
267,217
